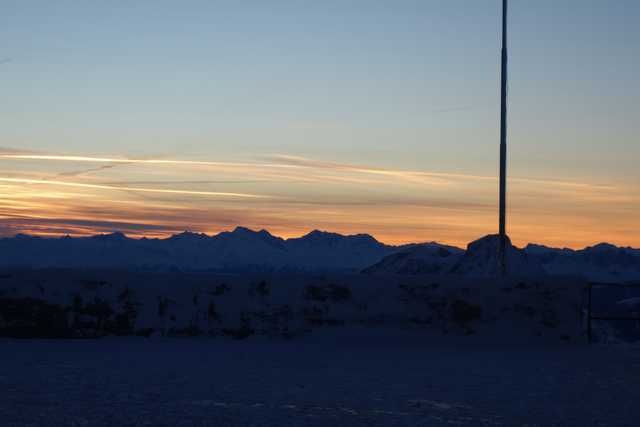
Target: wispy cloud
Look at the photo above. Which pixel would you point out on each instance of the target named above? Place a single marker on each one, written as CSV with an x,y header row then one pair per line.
x,y
99,159
139,189
299,166
4,151
187,182
416,175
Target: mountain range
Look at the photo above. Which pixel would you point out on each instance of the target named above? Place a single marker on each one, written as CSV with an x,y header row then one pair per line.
x,y
239,250
245,250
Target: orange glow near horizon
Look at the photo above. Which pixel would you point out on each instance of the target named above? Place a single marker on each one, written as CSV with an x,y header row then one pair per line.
x,y
53,195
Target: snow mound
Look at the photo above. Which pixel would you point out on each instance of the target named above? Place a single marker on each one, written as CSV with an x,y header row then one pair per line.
x,y
428,258
481,260
600,263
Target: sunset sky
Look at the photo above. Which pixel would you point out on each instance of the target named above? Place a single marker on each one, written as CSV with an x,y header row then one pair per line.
x,y
380,117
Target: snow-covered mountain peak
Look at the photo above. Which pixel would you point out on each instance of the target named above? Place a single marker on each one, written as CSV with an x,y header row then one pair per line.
x,y
115,236
240,230
319,236
487,243
189,236
535,249
603,247
246,232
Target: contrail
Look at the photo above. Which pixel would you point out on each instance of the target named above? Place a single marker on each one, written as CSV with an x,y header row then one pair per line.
x,y
197,182
409,174
85,171
137,161
140,189
297,163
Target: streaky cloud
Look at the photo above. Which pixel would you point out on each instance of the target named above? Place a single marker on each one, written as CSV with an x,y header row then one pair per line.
x,y
138,189
299,163
92,159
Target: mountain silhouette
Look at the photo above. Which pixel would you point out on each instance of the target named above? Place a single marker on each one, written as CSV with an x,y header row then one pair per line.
x,y
244,250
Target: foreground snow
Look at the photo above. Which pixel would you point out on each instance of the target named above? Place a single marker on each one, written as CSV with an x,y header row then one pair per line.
x,y
55,303
335,376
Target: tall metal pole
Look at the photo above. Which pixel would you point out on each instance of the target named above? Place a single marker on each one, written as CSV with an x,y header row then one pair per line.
x,y
503,145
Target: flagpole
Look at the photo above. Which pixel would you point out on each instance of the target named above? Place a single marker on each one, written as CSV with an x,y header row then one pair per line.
x,y
503,145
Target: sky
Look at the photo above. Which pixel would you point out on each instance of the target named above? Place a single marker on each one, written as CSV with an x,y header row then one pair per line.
x,y
379,117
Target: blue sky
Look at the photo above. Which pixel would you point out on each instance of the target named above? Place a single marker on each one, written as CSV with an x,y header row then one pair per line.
x,y
400,85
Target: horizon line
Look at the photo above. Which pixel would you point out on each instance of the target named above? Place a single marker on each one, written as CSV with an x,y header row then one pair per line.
x,y
52,236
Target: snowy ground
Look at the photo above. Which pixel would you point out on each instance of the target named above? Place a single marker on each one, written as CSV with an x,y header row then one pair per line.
x,y
68,303
333,376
